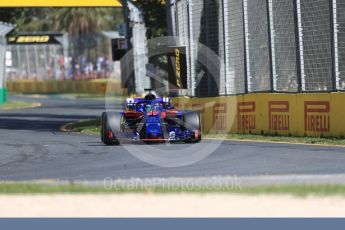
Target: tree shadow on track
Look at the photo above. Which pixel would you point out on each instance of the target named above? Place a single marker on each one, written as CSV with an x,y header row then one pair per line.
x,y
42,115
37,122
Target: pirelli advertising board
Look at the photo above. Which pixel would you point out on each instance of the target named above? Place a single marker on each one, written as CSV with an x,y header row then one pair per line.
x,y
307,114
33,39
177,67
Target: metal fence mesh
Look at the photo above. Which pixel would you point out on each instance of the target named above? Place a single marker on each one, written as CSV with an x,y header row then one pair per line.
x,y
317,56
36,62
207,30
283,46
195,15
69,58
199,35
258,49
183,34
173,19
234,46
278,45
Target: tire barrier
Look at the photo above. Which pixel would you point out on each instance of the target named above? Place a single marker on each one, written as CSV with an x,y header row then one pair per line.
x,y
51,87
314,114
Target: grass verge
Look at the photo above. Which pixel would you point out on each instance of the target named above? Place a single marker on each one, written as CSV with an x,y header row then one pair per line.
x,y
295,190
18,105
93,127
85,126
282,139
89,96
81,96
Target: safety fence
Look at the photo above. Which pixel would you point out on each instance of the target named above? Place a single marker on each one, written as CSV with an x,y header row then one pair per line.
x,y
309,114
262,45
57,56
50,87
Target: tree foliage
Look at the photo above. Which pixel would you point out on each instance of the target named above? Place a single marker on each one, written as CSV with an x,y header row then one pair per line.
x,y
27,19
84,20
62,19
154,12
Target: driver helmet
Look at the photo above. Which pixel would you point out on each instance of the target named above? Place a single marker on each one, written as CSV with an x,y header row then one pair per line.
x,y
148,108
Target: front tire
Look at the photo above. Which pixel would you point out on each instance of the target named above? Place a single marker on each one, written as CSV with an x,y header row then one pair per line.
x,y
192,123
111,123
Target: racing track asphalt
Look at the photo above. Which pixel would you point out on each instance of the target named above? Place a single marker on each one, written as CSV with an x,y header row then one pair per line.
x,y
33,148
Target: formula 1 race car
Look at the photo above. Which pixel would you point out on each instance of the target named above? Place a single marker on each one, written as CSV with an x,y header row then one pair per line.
x,y
150,119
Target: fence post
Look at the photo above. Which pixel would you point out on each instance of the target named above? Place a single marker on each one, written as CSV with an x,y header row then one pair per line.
x,y
3,93
334,44
191,42
297,42
207,18
224,46
246,51
270,44
4,30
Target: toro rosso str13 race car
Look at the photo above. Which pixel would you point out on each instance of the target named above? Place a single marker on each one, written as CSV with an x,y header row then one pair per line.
x,y
150,119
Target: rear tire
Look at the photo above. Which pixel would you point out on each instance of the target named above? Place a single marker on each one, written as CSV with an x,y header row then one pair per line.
x,y
192,123
111,122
